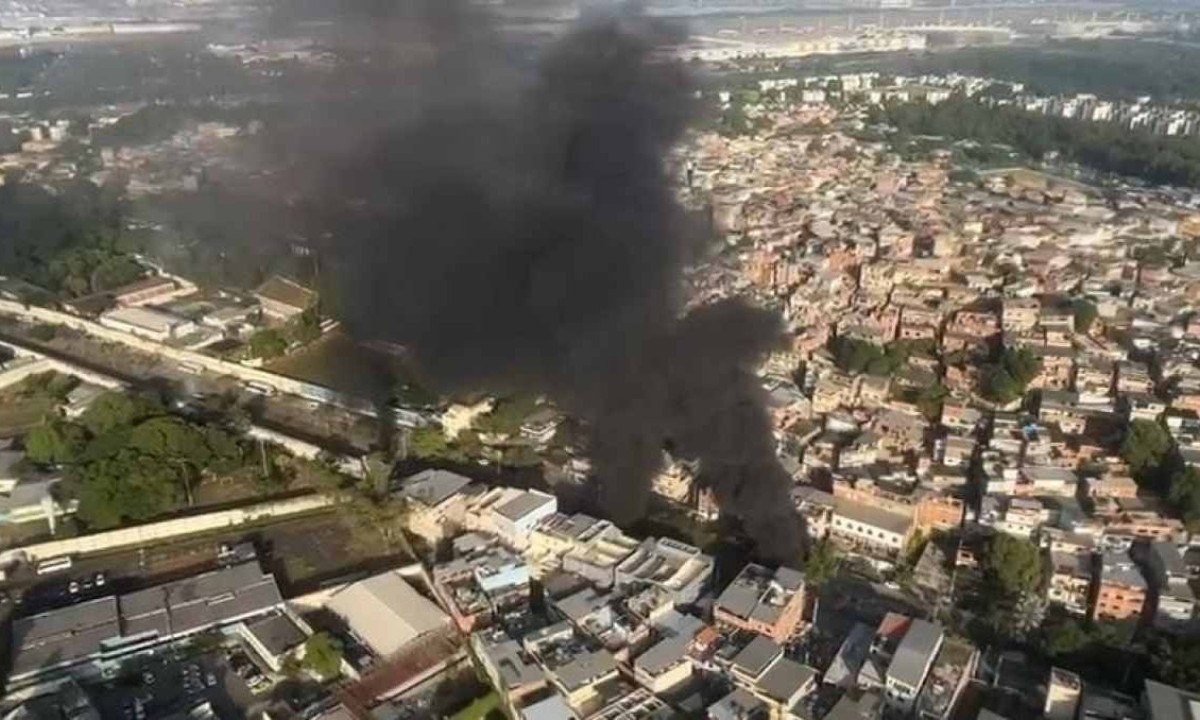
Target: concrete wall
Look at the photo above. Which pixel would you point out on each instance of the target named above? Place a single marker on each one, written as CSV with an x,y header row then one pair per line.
x,y
18,370
164,530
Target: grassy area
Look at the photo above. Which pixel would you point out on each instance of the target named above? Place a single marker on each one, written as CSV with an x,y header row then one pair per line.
x,y
484,708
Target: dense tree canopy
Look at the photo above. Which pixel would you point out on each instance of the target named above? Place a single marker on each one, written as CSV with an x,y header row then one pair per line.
x,y
859,356
68,241
1146,447
126,459
1175,660
55,442
1111,68
1184,495
1013,565
1106,147
117,410
268,343
1006,379
1085,314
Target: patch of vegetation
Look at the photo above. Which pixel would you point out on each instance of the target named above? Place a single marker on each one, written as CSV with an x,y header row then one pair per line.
x,y
267,343
484,708
1085,314
127,460
859,356
1005,380
323,655
1105,147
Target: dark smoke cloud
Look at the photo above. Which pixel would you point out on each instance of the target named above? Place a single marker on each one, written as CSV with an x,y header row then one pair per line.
x,y
507,217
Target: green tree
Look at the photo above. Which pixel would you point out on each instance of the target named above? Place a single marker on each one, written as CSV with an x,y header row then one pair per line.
x,y
822,563
1184,494
1085,314
428,442
114,271
1145,448
507,415
55,442
123,488
930,400
306,327
1013,565
1006,380
1063,636
117,409
1175,660
267,343
323,655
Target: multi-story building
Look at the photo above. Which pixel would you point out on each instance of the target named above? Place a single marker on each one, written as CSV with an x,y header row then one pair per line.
x,y
580,544
1056,365
284,299
481,582
768,603
868,529
678,570
1071,581
1122,589
780,683
1020,314
509,513
148,323
951,671
911,663
437,501
1063,691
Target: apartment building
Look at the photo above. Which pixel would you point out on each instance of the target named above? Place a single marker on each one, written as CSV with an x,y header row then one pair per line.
x,y
911,664
1071,581
1122,589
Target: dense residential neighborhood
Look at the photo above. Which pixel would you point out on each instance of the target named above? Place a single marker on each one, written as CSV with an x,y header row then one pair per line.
x,y
226,493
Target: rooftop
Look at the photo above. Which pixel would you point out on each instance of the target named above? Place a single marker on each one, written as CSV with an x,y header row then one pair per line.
x,y
757,656
915,652
145,318
785,678
1165,702
199,601
523,504
63,636
871,515
432,487
386,612
760,594
663,655
737,705
277,632
286,292
585,668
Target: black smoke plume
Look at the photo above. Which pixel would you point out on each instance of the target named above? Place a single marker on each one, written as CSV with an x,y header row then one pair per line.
x,y
506,215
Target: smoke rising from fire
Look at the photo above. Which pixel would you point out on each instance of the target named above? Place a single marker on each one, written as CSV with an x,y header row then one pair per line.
x,y
506,215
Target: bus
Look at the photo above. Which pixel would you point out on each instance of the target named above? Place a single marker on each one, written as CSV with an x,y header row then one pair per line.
x,y
260,388
54,565
191,367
